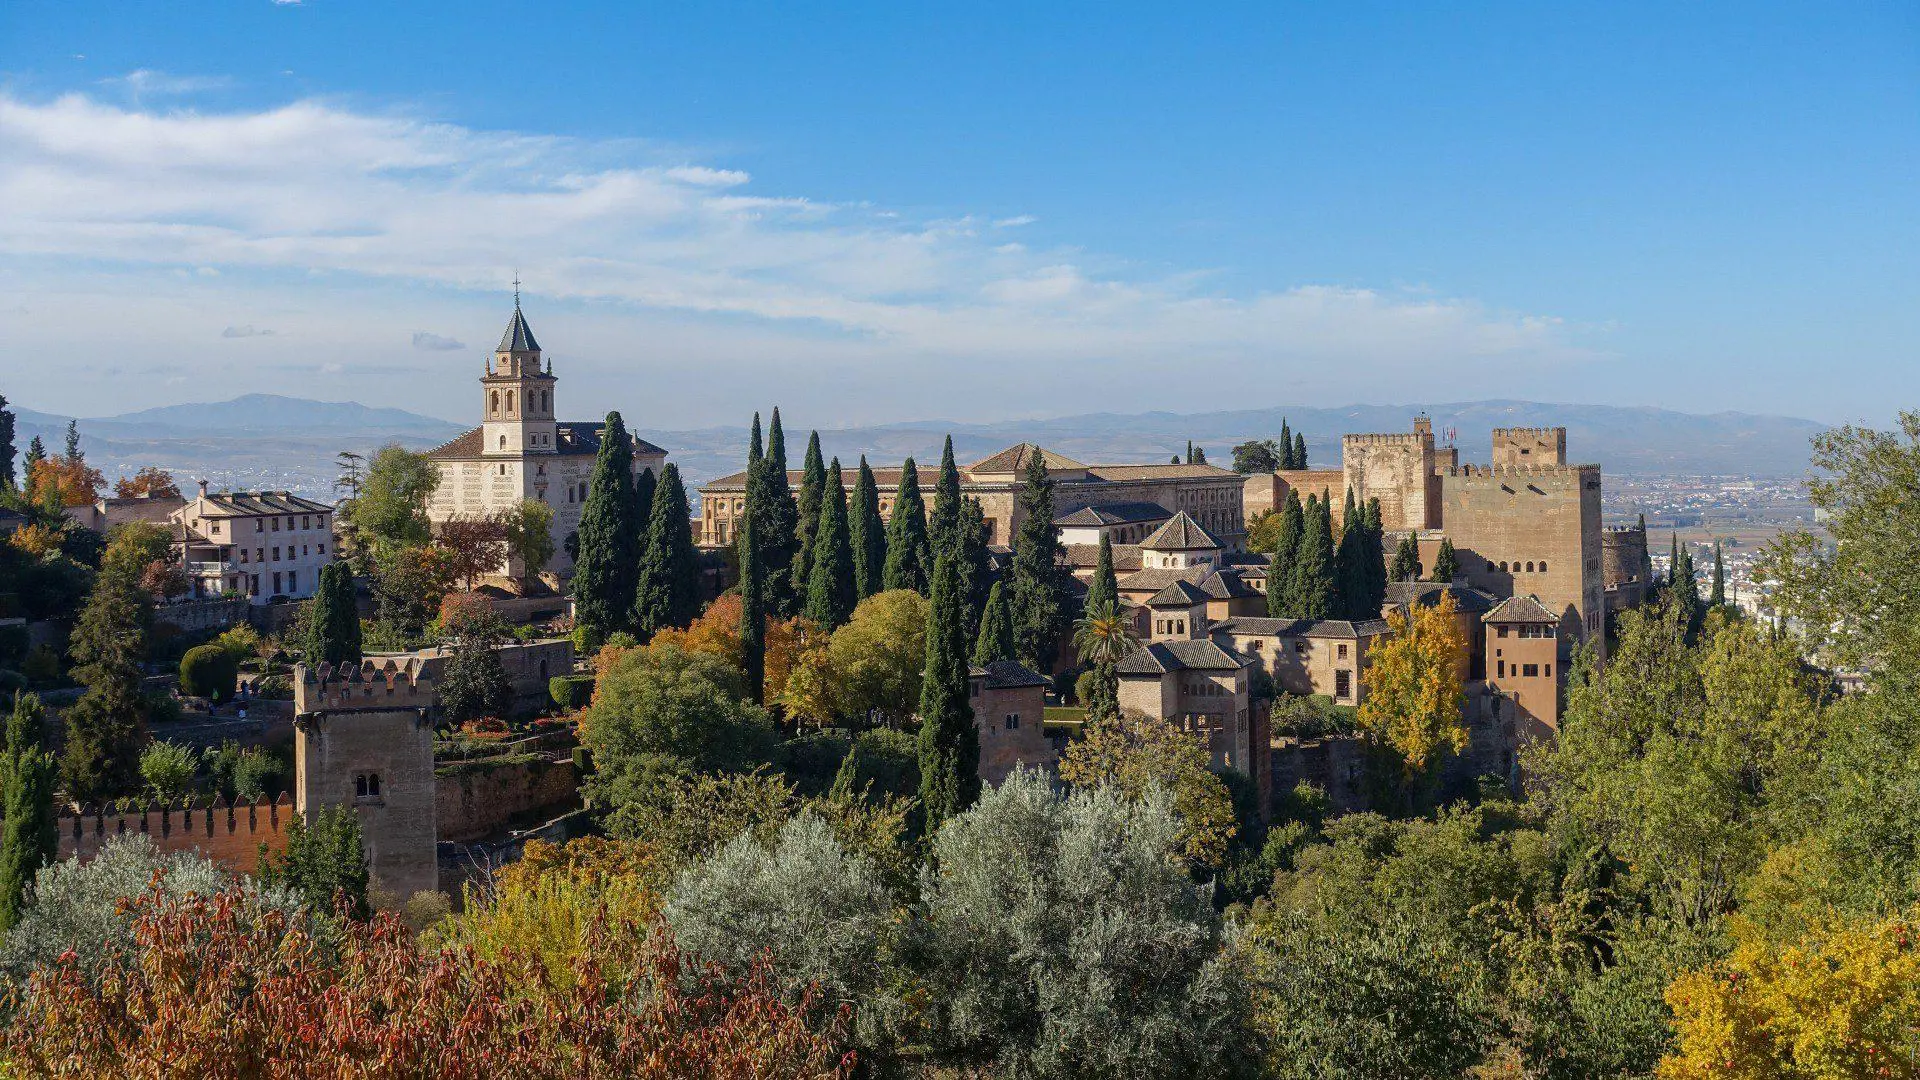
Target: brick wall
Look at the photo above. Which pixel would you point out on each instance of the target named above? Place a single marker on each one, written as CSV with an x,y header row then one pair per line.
x,y
230,835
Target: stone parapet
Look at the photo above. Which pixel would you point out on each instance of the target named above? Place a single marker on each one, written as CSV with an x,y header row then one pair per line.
x,y
230,834
375,683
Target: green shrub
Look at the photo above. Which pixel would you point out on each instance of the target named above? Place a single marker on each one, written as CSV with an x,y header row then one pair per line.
x,y
169,768
273,688
209,671
571,692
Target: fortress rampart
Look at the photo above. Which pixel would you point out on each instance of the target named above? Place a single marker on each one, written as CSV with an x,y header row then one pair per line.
x,y
375,683
230,834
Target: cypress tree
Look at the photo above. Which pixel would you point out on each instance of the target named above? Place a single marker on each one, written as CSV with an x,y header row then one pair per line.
x,y
830,590
610,532
1038,603
645,487
1375,579
753,612
1446,565
909,555
755,483
944,518
7,481
949,745
36,453
867,533
1286,444
779,517
1687,593
1673,558
1718,597
1317,591
1350,561
27,837
1283,596
1104,589
996,630
1406,560
1199,456
813,482
1299,450
74,455
333,620
667,592
1189,451
976,565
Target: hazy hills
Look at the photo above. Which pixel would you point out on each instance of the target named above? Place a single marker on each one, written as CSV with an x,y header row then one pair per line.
x,y
265,440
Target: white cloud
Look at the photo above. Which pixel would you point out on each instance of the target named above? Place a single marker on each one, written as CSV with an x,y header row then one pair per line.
x,y
313,188
435,343
245,331
145,83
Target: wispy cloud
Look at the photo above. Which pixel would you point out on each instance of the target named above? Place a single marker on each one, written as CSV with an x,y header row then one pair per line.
x,y
245,332
434,342
146,83
314,187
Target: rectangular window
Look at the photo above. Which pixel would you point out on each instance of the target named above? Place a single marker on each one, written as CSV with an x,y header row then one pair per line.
x,y
323,549
1342,684
1500,631
276,582
253,584
1342,654
293,581
276,554
1548,671
1500,670
243,554
276,524
259,525
1013,721
216,528
1531,671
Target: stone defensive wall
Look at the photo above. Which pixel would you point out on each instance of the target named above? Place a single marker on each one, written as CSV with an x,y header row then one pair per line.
x,y
1547,434
1496,471
230,834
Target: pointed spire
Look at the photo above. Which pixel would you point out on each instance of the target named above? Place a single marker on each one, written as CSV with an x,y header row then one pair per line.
x,y
519,336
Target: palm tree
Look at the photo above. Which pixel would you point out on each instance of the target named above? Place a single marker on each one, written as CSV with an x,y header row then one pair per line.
x,y
1104,635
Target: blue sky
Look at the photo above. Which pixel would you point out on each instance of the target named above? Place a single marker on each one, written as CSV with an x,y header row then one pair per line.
x,y
969,211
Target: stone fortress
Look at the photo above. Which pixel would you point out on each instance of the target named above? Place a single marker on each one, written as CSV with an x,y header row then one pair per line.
x,y
520,451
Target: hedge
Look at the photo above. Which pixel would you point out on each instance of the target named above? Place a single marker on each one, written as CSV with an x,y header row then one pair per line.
x,y
209,671
571,692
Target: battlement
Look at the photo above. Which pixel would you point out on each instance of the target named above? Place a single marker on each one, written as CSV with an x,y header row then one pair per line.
x,y
230,833
1626,530
1496,471
374,683
1414,440
1548,433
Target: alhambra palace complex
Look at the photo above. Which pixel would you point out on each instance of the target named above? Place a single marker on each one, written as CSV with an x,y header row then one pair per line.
x,y
1537,574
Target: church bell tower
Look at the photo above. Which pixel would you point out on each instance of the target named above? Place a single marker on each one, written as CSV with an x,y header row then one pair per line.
x,y
518,394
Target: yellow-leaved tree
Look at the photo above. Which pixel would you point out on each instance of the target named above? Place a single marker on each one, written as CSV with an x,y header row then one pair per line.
x,y
1414,693
1132,753
1842,1002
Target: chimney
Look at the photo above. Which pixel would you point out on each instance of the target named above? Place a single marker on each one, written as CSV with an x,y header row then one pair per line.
x,y
203,488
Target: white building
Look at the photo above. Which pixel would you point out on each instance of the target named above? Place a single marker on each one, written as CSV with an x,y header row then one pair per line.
x,y
521,452
256,544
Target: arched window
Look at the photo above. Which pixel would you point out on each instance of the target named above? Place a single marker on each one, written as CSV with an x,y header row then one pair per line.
x,y
546,400
1529,567
366,785
503,442
1503,566
509,402
493,405
1543,567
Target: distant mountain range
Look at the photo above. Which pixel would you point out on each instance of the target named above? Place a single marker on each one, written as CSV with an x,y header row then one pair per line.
x,y
273,442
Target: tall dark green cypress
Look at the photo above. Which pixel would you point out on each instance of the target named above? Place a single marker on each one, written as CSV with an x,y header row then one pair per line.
x,y
1286,445
909,554
755,495
867,533
1313,571
1673,558
1103,590
645,487
1446,564
1299,450
1350,561
813,482
1374,581
753,612
1283,594
1718,597
830,590
949,745
1686,593
332,633
779,518
1038,603
944,517
610,533
1406,559
995,641
667,592
976,565
28,840
7,450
